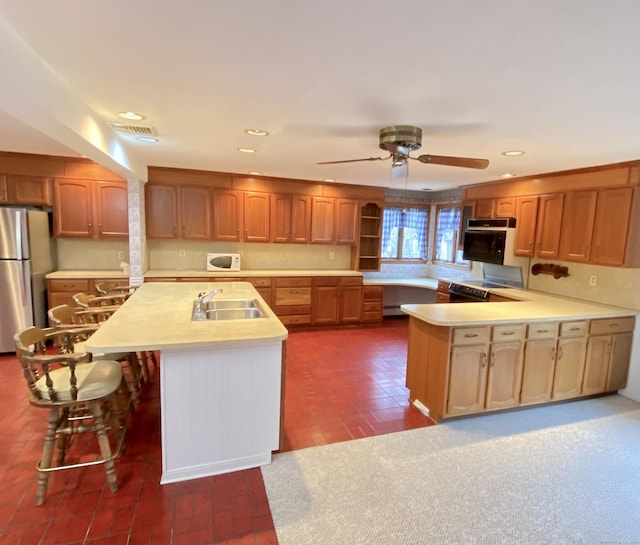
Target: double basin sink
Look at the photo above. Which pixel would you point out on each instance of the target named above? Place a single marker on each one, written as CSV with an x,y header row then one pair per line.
x,y
227,309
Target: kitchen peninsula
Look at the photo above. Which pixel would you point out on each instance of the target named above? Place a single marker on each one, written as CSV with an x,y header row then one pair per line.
x,y
469,358
220,380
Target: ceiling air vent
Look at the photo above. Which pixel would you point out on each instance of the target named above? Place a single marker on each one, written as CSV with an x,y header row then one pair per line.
x,y
136,130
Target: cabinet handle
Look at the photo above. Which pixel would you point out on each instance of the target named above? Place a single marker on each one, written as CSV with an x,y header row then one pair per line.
x,y
542,331
100,229
574,329
614,324
553,354
508,333
560,353
484,360
493,360
90,227
470,335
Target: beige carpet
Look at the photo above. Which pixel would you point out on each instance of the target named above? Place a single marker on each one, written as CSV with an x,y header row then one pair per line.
x,y
562,474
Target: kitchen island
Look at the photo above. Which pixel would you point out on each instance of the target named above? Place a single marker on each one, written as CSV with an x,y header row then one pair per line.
x,y
220,381
468,358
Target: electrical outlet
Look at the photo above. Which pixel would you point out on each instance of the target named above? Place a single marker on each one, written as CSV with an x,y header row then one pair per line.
x,y
121,255
182,252
331,255
593,280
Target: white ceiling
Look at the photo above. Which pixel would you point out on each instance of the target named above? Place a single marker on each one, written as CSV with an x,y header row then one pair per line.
x,y
556,78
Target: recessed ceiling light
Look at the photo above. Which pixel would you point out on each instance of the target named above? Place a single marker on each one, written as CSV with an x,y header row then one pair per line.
x,y
246,150
329,180
513,153
507,175
131,115
255,173
146,139
256,132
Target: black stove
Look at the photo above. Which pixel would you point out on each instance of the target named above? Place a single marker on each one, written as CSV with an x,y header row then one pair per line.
x,y
463,293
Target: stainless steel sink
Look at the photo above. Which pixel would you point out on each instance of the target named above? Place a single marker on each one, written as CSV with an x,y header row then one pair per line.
x,y
230,303
234,314
227,309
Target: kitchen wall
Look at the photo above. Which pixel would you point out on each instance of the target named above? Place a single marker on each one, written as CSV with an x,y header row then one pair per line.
x,y
89,254
182,255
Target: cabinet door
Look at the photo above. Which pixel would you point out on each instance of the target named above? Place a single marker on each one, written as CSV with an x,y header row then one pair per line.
x,y
324,306
526,216
227,215
596,367
619,361
570,360
72,212
467,379
577,225
256,217
611,225
350,304
28,190
322,220
505,375
4,192
346,221
549,223
111,209
537,374
281,218
484,208
195,213
505,207
161,211
300,218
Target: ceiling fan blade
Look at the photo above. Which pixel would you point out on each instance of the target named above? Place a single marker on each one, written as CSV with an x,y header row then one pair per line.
x,y
467,162
354,160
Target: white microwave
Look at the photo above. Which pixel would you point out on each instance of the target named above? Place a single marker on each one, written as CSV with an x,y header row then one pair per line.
x,y
223,262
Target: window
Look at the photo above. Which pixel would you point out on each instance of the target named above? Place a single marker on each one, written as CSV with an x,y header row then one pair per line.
x,y
404,234
448,236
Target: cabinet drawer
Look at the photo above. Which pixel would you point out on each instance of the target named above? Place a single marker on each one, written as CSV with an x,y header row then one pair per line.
x,y
259,282
293,296
372,316
351,281
297,319
74,285
292,281
543,330
373,292
372,306
325,281
443,286
470,335
512,332
442,297
608,326
573,329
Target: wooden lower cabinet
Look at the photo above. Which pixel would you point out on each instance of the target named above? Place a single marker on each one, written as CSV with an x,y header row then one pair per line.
x,y
292,300
464,370
61,291
324,302
350,300
372,304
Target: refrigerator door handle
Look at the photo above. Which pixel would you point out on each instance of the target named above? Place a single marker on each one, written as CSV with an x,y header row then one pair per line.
x,y
19,227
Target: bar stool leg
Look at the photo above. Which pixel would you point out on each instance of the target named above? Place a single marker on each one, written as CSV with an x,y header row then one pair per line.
x,y
47,454
105,447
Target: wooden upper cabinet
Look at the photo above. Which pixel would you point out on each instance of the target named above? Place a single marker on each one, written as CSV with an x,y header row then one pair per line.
x,y
195,212
322,220
227,214
4,194
549,223
577,225
611,226
161,211
526,217
28,190
73,208
484,208
111,209
347,216
290,218
256,217
505,207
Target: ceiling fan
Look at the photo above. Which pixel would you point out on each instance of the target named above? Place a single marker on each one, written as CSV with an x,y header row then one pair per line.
x,y
400,141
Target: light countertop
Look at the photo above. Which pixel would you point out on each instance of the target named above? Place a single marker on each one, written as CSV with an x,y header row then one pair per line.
x,y
173,273
158,316
530,306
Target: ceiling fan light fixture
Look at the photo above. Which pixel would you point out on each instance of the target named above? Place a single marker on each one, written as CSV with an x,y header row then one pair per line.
x,y
256,132
513,153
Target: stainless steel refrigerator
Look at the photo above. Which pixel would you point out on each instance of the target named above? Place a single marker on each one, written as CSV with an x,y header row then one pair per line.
x,y
26,256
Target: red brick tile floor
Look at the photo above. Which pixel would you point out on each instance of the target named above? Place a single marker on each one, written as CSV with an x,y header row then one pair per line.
x,y
340,385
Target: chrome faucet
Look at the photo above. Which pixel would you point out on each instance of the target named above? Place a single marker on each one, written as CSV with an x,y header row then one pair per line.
x,y
204,298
